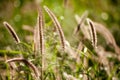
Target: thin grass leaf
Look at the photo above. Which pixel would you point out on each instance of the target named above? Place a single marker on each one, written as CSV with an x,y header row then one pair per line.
x,y
57,26
10,52
12,31
33,67
93,33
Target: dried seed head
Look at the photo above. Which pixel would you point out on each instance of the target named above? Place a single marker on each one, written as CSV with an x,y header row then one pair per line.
x,y
84,28
57,26
12,32
80,21
107,35
30,64
41,25
38,33
93,33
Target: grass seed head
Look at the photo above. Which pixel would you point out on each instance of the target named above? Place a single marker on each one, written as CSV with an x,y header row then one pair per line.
x,y
11,31
92,32
57,26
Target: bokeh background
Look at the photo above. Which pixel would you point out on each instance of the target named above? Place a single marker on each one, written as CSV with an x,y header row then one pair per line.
x,y
103,64
21,13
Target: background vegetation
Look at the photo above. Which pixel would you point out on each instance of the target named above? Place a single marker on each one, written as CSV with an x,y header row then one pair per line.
x,y
22,15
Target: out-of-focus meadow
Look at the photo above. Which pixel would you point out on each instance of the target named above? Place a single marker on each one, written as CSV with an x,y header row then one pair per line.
x,y
94,64
23,12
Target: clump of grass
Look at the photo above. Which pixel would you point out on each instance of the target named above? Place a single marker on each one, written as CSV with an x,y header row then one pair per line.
x,y
79,63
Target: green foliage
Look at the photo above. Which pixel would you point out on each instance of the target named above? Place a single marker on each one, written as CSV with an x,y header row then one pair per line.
x,y
59,64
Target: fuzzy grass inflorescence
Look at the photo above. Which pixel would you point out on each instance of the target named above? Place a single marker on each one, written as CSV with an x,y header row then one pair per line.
x,y
74,63
12,31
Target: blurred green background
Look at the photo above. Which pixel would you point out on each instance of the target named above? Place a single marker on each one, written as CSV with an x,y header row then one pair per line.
x,y
23,12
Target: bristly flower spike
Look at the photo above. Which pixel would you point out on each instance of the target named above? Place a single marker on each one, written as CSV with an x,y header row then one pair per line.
x,y
93,33
11,31
57,26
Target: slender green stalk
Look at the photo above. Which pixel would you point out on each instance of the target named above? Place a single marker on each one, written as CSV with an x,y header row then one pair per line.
x,y
10,52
